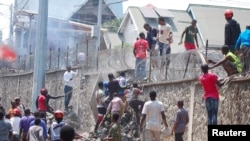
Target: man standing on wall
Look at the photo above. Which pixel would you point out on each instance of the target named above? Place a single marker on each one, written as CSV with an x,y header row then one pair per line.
x,y
232,30
163,46
211,94
243,46
68,86
151,38
190,35
140,53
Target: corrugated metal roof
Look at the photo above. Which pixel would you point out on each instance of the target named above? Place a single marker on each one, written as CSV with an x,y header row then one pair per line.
x,y
148,12
138,18
164,12
112,39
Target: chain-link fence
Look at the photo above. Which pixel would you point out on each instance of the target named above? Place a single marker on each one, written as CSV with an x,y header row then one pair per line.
x,y
170,67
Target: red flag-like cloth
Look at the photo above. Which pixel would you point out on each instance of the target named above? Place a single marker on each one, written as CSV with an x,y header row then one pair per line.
x,y
7,54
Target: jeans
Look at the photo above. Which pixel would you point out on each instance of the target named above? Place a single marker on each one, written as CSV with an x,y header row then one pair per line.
x,y
140,68
163,48
68,94
178,136
212,110
162,52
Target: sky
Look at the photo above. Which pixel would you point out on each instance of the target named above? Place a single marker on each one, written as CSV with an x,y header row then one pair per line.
x,y
166,4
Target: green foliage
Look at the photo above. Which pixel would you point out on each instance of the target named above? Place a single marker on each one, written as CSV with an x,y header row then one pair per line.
x,y
112,25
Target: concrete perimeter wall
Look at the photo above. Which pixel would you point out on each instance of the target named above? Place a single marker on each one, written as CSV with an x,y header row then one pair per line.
x,y
234,105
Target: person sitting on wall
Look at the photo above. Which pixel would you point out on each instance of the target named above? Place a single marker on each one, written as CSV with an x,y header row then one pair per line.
x,y
231,63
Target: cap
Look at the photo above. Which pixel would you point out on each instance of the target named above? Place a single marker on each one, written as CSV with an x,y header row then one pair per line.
x,y
17,98
58,114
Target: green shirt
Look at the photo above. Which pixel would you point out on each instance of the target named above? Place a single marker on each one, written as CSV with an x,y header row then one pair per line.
x,y
236,62
115,132
190,34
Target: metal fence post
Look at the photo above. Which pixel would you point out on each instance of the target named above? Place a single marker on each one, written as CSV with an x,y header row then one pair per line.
x,y
67,56
30,65
19,62
24,63
87,53
206,49
58,58
50,50
76,54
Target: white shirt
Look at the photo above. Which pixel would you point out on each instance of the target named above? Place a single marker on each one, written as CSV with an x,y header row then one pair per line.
x,y
55,130
163,34
153,110
100,96
67,76
35,133
15,121
122,81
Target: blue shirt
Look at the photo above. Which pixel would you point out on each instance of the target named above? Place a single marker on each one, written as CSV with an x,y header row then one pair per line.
x,y
150,35
43,125
243,40
25,123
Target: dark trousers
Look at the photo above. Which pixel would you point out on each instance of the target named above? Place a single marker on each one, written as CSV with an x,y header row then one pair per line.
x,y
15,137
178,136
245,58
137,106
101,110
68,94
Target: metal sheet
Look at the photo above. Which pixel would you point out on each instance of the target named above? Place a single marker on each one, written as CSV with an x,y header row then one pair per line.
x,y
148,12
164,13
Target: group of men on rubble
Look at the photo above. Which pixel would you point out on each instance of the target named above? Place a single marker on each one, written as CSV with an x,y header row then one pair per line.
x,y
114,97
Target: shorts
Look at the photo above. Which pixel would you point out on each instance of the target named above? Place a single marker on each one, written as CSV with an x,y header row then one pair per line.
x,y
232,66
189,46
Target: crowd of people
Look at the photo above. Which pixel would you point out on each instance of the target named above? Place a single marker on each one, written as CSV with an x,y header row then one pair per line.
x,y
113,100
114,96
20,124
157,42
15,126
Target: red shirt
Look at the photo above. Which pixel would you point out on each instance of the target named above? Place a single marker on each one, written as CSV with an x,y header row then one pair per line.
x,y
140,47
42,103
208,82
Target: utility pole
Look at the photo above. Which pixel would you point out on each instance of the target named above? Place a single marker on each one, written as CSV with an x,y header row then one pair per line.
x,y
11,25
99,23
40,52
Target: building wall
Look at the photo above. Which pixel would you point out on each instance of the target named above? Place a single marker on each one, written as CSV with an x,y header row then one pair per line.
x,y
233,107
129,32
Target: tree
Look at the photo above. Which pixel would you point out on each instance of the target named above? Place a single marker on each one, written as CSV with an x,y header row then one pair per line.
x,y
112,25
